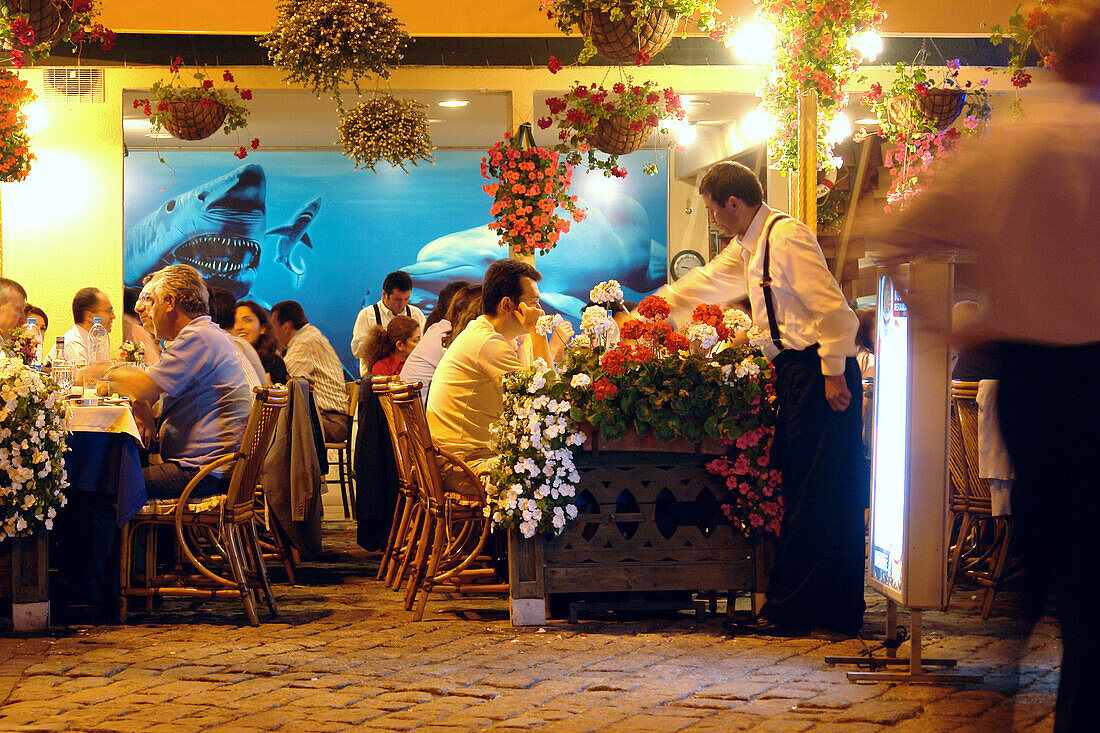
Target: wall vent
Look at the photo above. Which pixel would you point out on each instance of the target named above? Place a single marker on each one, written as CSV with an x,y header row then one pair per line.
x,y
69,85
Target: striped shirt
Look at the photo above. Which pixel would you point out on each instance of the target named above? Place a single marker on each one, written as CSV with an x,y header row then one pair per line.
x,y
309,354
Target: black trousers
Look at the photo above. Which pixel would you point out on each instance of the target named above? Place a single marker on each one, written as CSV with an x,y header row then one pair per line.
x,y
817,580
1048,402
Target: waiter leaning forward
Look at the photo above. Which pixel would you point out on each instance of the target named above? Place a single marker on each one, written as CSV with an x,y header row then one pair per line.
x,y
817,581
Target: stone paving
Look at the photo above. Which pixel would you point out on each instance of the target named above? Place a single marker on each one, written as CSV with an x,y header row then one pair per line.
x,y
344,655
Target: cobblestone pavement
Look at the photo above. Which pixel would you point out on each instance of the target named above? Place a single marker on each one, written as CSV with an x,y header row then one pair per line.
x,y
344,655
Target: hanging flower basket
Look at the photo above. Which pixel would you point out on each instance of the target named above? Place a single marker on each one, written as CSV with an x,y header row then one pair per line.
x,y
614,136
30,28
938,108
48,19
190,120
387,129
627,39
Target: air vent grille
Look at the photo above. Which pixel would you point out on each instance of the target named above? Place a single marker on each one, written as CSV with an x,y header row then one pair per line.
x,y
73,85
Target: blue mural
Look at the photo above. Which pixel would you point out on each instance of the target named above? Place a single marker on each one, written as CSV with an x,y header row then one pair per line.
x,y
305,226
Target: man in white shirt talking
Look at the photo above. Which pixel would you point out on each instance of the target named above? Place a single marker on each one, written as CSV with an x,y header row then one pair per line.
x,y
817,580
396,292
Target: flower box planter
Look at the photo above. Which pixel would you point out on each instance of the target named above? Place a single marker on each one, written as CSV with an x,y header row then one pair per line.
x,y
620,40
649,521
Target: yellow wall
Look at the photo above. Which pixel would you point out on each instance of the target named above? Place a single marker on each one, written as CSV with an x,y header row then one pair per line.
x,y
505,17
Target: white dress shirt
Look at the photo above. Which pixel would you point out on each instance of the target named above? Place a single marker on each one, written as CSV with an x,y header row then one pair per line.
x,y
809,305
365,321
76,346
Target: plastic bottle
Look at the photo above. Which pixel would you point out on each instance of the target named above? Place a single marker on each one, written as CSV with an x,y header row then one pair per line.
x,y
98,352
36,338
61,370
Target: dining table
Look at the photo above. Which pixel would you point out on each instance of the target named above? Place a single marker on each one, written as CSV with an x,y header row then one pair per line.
x,y
105,490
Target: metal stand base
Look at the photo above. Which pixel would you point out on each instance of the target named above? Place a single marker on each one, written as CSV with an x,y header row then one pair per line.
x,y
916,673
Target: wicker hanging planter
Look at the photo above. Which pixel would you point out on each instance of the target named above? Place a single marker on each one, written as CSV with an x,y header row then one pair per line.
x,y
49,19
938,109
190,120
614,136
620,41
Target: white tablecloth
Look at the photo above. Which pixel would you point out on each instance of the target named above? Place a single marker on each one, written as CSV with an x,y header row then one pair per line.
x,y
103,419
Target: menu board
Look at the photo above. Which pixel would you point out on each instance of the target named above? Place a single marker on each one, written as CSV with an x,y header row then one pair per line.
x,y
909,465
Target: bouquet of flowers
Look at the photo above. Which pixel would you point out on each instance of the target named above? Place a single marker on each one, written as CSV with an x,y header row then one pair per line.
x,y
128,352
32,448
918,143
591,118
15,153
20,345
530,185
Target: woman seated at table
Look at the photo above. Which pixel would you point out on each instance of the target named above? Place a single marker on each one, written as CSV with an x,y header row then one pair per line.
x,y
388,348
253,324
421,364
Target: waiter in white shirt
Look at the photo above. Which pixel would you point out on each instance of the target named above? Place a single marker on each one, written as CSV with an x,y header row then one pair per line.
x,y
396,292
817,580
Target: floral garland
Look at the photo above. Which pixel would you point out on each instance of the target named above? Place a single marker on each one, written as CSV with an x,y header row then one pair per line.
x,y
581,110
163,93
32,446
326,44
917,145
657,383
77,18
531,184
386,128
15,152
816,52
569,13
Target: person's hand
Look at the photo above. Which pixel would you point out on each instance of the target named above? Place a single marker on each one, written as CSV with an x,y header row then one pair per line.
x,y
564,332
836,392
146,423
528,316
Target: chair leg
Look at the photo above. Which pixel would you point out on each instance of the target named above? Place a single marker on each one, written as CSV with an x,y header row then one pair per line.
x,y
343,481
432,568
253,540
150,562
399,571
236,564
956,556
124,563
998,562
420,563
398,530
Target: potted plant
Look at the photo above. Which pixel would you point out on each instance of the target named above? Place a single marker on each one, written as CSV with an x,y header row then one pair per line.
x,y
325,44
386,128
30,28
1041,28
626,31
32,466
616,122
195,112
815,51
530,185
15,152
918,117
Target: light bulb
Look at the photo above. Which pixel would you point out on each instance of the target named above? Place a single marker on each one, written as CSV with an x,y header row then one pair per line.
x,y
753,43
869,44
758,125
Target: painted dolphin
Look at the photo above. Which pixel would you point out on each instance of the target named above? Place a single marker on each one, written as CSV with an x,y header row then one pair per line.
x,y
216,227
291,234
613,242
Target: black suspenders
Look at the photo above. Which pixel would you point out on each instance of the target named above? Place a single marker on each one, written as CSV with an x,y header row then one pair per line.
x,y
378,314
766,283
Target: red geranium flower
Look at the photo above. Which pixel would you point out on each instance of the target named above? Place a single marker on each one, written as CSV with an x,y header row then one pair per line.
x,y
654,306
554,65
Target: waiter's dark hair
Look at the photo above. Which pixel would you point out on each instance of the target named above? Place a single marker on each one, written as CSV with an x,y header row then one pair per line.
x,y
397,280
727,179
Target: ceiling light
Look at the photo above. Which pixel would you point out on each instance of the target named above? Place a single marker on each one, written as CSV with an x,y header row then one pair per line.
x,y
839,130
758,125
753,43
683,131
869,44
434,121
454,103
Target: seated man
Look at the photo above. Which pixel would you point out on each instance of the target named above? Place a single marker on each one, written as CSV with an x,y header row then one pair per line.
x,y
467,393
205,395
13,305
87,304
309,354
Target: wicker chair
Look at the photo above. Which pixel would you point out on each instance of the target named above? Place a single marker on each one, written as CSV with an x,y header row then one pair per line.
x,y
211,534
453,530
982,544
407,509
343,455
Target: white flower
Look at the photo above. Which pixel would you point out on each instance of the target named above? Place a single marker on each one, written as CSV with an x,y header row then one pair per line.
x,y
546,325
759,338
581,340
609,291
703,334
580,380
736,320
595,321
747,367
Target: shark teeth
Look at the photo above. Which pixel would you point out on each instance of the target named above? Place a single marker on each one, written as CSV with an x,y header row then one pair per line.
x,y
219,254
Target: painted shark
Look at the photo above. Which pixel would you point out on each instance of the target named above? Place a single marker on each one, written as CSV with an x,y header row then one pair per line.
x,y
218,228
613,242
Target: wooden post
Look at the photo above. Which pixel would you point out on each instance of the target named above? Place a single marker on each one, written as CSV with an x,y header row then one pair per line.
x,y
850,214
30,591
527,591
802,183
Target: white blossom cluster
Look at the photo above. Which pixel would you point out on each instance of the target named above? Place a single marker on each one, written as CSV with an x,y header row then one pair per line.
x,y
386,128
546,325
702,335
609,291
736,320
534,483
759,338
747,368
581,340
32,447
595,321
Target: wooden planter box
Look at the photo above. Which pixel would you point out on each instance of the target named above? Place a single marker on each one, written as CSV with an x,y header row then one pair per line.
x,y
648,522
24,581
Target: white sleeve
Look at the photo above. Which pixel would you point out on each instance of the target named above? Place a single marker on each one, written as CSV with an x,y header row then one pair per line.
x,y
719,281
360,331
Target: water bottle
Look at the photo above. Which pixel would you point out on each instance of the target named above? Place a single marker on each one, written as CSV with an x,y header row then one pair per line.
x,y
61,370
98,353
36,338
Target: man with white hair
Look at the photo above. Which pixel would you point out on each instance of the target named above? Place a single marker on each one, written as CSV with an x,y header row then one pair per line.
x,y
13,305
200,378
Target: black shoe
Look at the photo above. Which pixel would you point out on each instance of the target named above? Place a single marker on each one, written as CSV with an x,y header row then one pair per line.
x,y
763,626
